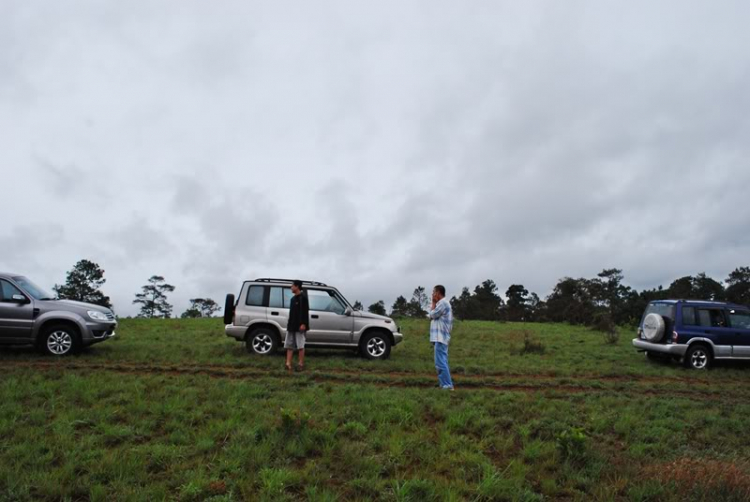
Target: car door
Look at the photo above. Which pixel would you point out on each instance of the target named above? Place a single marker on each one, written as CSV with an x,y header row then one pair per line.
x,y
714,325
739,321
251,306
279,302
16,316
329,322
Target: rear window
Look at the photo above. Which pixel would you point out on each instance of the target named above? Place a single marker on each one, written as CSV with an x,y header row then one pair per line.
x,y
663,309
255,296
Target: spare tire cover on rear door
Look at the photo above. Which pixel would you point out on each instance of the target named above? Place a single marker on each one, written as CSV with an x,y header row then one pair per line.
x,y
653,327
229,309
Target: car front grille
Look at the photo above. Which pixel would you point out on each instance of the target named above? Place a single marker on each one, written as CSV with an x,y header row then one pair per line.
x,y
110,316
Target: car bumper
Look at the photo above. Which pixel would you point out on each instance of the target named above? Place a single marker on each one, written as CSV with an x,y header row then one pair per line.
x,y
397,338
675,349
97,332
236,332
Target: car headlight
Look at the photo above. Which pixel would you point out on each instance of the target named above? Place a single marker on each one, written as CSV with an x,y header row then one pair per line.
x,y
97,316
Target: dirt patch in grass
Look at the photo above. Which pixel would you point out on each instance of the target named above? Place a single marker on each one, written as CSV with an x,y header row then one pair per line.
x,y
530,384
228,370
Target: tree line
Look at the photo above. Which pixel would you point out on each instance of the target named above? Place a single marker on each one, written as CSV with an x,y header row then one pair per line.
x,y
601,300
83,283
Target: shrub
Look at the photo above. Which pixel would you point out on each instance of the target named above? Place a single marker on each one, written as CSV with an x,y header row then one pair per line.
x,y
571,444
294,422
532,346
605,324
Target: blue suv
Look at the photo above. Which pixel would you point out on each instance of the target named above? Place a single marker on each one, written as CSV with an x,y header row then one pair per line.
x,y
696,332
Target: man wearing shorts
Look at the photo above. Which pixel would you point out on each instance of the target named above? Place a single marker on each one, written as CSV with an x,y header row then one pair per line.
x,y
299,321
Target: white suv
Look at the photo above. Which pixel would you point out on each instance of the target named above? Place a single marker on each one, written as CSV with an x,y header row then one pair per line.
x,y
258,317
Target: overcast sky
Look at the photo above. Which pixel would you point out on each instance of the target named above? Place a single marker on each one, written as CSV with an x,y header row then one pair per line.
x,y
375,146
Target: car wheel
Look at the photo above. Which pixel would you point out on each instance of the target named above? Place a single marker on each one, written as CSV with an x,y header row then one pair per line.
x,y
698,357
60,340
262,342
376,346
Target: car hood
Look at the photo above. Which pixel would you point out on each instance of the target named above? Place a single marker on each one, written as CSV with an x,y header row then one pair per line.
x,y
84,306
368,315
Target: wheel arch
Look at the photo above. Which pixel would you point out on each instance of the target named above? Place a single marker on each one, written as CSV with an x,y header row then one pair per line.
x,y
375,329
702,341
263,325
44,324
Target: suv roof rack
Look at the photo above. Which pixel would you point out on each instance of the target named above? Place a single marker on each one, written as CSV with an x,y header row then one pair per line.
x,y
308,283
713,302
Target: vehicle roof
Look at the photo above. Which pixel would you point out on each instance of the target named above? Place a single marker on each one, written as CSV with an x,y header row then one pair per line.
x,y
700,302
6,274
288,281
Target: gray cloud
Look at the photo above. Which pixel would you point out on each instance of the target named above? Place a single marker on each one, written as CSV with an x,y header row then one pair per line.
x,y
374,146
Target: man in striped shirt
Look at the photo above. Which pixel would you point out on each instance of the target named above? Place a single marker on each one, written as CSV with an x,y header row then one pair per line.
x,y
441,315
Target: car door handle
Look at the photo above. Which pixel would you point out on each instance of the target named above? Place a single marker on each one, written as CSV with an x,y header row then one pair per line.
x,y
315,316
274,313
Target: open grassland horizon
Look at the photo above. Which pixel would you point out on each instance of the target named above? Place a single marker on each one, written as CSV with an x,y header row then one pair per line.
x,y
175,410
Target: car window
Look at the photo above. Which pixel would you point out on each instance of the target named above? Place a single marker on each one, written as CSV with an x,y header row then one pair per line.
x,y
288,295
740,319
688,316
712,318
663,309
280,298
35,291
275,299
7,290
324,301
255,296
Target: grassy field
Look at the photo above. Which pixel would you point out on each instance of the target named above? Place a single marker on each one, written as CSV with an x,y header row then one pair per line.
x,y
175,410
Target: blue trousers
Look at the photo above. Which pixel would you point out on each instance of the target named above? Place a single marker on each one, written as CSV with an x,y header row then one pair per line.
x,y
441,365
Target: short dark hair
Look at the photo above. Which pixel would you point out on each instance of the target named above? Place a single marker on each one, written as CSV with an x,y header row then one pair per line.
x,y
297,283
440,289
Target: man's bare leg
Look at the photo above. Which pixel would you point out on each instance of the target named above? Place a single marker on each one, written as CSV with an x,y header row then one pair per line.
x,y
301,358
289,353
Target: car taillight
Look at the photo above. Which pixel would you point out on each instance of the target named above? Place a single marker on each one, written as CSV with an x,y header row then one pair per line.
x,y
675,336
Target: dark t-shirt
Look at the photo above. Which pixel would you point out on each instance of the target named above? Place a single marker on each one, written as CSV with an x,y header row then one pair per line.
x,y
299,313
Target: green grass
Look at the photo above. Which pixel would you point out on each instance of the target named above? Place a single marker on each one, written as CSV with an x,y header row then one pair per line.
x,y
175,410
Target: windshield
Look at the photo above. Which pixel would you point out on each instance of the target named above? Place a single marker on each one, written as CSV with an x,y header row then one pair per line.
x,y
35,291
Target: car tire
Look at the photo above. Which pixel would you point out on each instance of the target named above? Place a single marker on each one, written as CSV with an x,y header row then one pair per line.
x,y
229,309
262,342
698,357
60,340
654,327
376,346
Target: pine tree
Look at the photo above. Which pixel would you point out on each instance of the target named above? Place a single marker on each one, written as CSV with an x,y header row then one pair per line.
x,y
82,284
153,299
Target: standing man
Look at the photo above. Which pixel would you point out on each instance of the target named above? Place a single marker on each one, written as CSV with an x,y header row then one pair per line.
x,y
299,322
441,315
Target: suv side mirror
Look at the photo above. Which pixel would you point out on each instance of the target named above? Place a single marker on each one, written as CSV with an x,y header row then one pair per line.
x,y
348,311
19,299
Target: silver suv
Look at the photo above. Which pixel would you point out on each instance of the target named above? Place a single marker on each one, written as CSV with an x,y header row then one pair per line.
x,y
29,315
259,317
